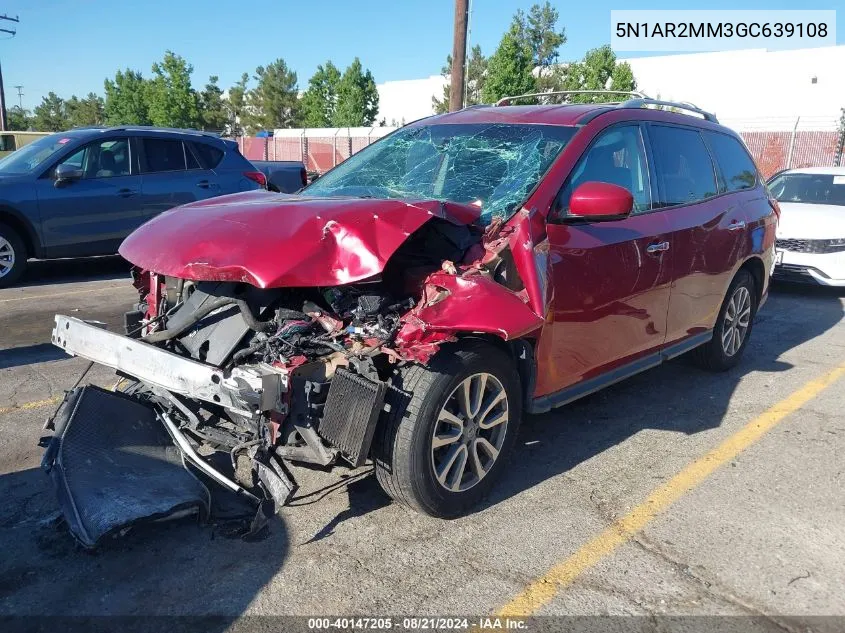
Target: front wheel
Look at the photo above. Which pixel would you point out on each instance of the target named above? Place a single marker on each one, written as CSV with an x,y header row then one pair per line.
x,y
733,326
12,256
441,453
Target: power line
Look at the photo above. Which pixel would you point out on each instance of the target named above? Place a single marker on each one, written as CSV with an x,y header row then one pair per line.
x,y
9,19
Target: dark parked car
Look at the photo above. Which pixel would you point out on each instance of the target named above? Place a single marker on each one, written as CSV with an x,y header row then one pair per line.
x,y
424,294
79,193
283,176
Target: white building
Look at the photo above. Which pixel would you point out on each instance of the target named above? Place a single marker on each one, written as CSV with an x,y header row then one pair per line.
x,y
773,86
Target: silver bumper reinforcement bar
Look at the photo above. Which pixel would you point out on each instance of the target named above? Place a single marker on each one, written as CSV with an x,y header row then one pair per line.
x,y
147,363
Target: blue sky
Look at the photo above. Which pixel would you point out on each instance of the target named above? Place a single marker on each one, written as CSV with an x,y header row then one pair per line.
x,y
70,46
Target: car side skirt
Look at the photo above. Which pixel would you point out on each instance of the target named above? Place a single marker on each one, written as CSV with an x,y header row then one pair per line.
x,y
586,387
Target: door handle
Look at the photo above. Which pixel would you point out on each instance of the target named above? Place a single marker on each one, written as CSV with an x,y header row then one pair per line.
x,y
657,247
736,225
125,193
203,184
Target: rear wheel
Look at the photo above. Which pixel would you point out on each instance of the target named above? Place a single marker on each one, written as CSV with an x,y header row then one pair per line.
x,y
733,327
441,453
12,256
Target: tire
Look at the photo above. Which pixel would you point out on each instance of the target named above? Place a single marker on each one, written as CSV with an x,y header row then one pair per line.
x,y
12,251
404,453
717,354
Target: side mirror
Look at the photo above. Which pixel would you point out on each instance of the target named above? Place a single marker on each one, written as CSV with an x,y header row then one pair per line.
x,y
600,201
66,174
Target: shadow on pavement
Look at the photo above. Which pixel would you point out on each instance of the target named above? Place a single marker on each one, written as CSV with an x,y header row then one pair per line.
x,y
37,353
54,271
676,396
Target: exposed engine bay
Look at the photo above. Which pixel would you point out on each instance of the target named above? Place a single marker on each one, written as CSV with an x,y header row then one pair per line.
x,y
272,376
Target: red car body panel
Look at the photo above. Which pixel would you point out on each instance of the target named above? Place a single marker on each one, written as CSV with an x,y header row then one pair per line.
x,y
610,300
276,240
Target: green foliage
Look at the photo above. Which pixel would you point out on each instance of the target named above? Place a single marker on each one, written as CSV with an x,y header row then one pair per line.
x,y
89,110
19,119
236,107
545,40
50,115
274,102
598,71
476,71
319,102
126,99
357,97
212,109
172,101
509,70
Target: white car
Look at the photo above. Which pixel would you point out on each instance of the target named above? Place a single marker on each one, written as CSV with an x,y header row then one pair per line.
x,y
810,243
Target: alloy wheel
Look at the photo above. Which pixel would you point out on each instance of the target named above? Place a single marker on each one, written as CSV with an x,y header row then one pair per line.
x,y
7,257
736,321
469,432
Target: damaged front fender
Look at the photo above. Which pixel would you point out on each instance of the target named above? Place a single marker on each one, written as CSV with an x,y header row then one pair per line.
x,y
452,304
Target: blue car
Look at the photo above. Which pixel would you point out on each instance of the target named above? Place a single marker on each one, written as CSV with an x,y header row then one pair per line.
x,y
79,193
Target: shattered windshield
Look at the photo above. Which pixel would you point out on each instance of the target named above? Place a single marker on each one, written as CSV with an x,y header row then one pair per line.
x,y
492,165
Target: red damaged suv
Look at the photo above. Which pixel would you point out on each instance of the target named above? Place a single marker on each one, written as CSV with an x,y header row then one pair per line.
x,y
413,303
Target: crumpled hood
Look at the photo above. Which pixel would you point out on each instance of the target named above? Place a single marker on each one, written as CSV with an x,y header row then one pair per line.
x,y
811,221
274,240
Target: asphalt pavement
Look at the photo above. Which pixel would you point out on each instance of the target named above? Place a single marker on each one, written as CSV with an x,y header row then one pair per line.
x,y
675,493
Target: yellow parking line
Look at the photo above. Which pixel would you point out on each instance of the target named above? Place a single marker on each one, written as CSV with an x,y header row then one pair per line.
x,y
542,590
32,405
63,294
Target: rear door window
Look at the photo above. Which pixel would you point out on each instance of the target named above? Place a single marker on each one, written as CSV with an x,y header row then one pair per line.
x,y
737,168
684,169
164,155
210,156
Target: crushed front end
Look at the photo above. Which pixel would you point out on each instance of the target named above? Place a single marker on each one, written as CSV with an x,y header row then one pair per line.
x,y
265,377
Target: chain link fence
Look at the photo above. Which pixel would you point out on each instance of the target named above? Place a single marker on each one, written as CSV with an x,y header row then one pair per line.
x,y
319,148
776,143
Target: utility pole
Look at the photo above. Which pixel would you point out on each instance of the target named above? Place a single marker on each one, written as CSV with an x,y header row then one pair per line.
x,y
4,125
20,96
459,55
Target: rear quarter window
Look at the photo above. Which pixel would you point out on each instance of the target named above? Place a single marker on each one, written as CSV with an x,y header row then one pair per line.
x,y
683,165
736,165
210,156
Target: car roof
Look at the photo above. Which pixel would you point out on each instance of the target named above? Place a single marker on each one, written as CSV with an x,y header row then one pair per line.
x,y
561,114
832,171
570,114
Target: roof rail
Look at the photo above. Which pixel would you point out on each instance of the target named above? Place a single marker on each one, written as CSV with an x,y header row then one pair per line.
x,y
681,105
507,100
155,128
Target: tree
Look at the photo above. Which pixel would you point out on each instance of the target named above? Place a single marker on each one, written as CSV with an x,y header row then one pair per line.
x,y
50,115
126,99
87,111
475,74
274,102
235,105
212,110
357,97
319,102
509,70
598,71
544,40
172,100
19,119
